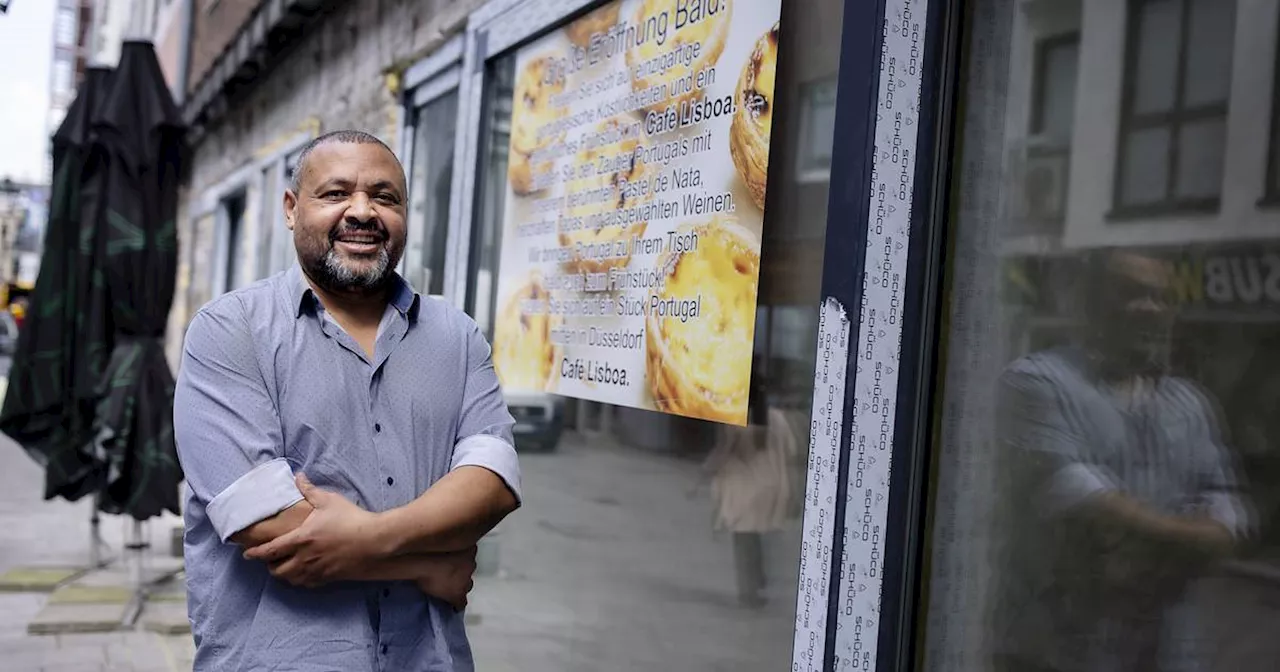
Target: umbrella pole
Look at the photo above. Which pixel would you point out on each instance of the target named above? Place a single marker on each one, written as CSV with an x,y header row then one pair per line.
x,y
95,539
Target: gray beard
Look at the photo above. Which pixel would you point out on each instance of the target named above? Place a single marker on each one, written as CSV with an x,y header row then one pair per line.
x,y
331,274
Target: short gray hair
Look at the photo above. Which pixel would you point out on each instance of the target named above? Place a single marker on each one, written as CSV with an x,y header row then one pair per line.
x,y
349,136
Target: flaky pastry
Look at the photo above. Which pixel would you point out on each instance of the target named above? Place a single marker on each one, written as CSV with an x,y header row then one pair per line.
x,y
524,356
701,366
753,121
531,110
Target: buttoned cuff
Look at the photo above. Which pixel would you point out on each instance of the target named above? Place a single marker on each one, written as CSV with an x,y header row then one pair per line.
x,y
1074,484
265,491
492,453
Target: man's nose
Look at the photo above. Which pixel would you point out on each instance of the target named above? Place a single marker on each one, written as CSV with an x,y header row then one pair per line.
x,y
359,210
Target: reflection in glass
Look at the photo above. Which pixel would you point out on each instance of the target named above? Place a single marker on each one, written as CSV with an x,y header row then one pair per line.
x,y
1104,496
430,181
650,541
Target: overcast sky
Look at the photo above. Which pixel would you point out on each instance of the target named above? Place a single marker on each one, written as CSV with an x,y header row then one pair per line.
x,y
26,48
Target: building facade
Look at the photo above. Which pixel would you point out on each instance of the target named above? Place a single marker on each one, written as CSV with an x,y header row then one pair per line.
x,y
965,201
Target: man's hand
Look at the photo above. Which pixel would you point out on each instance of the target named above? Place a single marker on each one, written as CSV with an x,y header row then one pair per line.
x,y
448,576
331,544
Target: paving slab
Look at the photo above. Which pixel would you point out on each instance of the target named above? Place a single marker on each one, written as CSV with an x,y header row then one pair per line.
x,y
38,579
71,618
89,594
165,618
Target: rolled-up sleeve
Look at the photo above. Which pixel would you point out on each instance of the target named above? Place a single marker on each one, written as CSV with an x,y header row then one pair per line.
x,y
484,429
225,425
1049,453
1219,488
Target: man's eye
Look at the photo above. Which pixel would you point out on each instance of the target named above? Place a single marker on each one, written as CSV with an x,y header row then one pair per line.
x,y
333,195
388,199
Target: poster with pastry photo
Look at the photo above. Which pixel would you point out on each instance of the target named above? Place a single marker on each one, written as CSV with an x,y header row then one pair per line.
x,y
630,257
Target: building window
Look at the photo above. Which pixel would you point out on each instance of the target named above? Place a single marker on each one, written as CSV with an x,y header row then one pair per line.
x,y
1173,124
431,177
66,27
62,78
817,130
232,214
1046,159
1273,164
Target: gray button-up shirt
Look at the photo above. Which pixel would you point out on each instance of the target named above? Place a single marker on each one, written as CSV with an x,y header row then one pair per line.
x,y
269,386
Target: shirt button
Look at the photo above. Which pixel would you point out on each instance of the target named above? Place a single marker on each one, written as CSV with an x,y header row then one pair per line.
x,y
391,481
386,592
377,427
384,649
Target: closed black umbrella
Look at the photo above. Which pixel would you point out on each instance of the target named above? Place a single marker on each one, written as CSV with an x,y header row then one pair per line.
x,y
55,379
141,131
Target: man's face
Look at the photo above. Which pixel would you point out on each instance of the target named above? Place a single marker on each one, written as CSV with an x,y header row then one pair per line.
x,y
1134,315
348,219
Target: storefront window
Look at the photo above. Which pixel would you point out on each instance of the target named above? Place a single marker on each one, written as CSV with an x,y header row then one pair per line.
x,y
651,540
431,176
1108,452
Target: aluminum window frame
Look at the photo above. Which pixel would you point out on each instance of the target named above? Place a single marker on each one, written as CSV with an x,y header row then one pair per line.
x,y
930,32
430,78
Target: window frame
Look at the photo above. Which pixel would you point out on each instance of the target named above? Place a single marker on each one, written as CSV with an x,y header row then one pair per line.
x,y
1040,66
428,80
1271,190
500,25
1179,115
806,172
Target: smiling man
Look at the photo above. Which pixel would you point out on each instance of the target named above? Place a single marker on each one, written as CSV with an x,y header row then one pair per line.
x,y
345,444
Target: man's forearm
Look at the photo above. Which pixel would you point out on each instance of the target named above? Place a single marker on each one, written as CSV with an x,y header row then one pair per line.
x,y
452,515
1199,534
410,567
268,529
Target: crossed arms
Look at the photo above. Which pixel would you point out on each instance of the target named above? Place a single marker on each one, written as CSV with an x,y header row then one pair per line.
x,y
229,440
1052,453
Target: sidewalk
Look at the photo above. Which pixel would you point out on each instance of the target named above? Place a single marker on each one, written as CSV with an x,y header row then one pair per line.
x,y
611,565
36,532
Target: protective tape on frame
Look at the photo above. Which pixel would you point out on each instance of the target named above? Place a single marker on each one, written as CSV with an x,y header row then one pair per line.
x,y
822,484
875,385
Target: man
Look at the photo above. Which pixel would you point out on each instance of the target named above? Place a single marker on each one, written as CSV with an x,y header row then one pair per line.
x,y
1119,493
345,444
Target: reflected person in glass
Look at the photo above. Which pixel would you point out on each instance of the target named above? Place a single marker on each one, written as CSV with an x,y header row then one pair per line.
x,y
751,486
1118,493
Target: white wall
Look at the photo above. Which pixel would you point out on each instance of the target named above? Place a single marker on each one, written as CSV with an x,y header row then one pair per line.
x,y
1094,147
1094,151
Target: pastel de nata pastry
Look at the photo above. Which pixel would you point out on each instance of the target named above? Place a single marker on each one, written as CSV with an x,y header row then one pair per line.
x,y
699,330
599,207
580,31
707,26
524,356
753,120
531,110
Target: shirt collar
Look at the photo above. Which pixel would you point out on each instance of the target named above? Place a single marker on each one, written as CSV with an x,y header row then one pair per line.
x,y
402,297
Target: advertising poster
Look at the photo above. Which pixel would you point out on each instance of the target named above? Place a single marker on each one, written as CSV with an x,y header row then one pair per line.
x,y
635,198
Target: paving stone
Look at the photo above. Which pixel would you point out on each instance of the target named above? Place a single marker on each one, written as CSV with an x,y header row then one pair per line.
x,y
83,639
87,656
72,667
77,618
80,594
165,618
37,579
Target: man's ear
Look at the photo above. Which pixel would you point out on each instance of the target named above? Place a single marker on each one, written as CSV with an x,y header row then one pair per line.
x,y
290,207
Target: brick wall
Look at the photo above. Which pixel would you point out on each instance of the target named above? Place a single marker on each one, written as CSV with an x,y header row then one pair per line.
x,y
334,76
214,23
332,79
